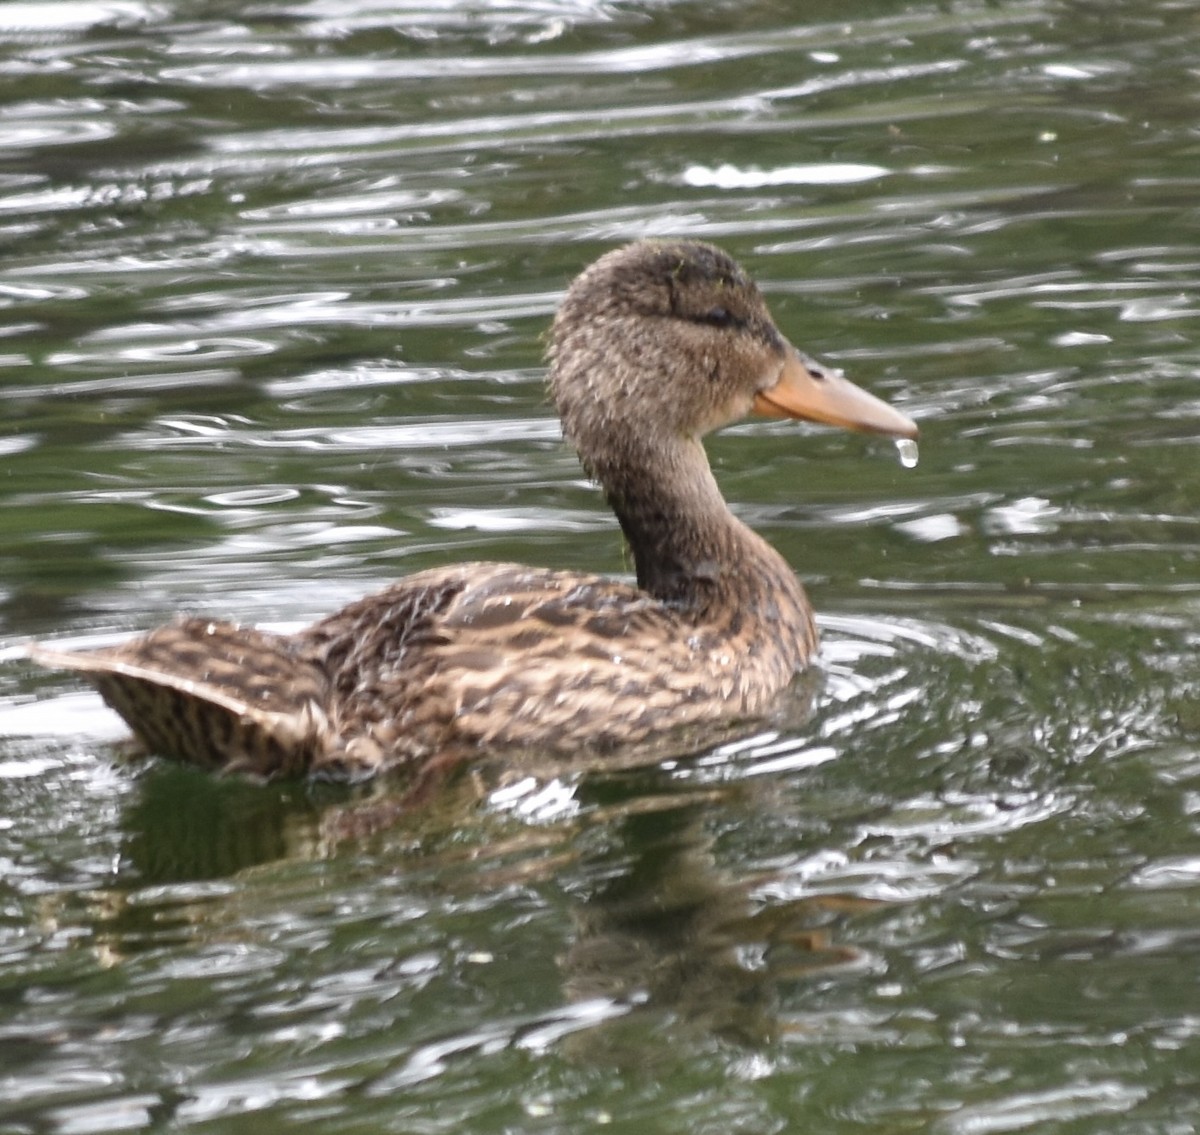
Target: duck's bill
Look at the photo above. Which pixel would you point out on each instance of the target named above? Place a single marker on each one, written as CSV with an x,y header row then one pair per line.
x,y
809,391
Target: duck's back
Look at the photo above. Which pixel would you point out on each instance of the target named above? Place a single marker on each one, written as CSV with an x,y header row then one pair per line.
x,y
504,656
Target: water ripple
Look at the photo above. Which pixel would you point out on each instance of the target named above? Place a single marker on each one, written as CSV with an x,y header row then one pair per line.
x,y
274,285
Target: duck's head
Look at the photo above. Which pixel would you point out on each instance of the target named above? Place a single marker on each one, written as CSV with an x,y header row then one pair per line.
x,y
667,340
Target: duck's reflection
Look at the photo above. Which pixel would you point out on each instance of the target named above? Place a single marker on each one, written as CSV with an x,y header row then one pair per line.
x,y
674,933
187,826
658,925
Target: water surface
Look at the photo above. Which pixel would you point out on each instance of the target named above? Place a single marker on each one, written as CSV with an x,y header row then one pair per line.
x,y
275,284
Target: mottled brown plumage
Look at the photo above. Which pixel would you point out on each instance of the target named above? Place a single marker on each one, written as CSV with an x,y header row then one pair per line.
x,y
654,345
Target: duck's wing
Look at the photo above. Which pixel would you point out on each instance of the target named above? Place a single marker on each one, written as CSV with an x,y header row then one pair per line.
x,y
214,694
511,656
560,661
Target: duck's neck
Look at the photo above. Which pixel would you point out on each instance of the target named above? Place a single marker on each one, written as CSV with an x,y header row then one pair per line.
x,y
690,550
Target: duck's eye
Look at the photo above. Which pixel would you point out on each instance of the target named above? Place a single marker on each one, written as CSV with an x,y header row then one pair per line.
x,y
718,317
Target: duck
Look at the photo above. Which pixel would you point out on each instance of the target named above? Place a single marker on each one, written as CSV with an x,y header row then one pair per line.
x,y
655,344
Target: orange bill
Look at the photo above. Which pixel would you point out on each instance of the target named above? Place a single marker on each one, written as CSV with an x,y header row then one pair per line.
x,y
809,391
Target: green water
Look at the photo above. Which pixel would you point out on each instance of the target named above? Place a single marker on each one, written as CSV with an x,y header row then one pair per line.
x,y
274,285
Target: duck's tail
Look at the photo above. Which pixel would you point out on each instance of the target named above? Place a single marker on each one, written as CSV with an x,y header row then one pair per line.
x,y
214,694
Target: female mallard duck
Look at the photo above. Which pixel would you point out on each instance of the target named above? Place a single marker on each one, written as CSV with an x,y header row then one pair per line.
x,y
655,345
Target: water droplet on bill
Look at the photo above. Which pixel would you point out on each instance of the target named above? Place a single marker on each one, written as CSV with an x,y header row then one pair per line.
x,y
906,450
